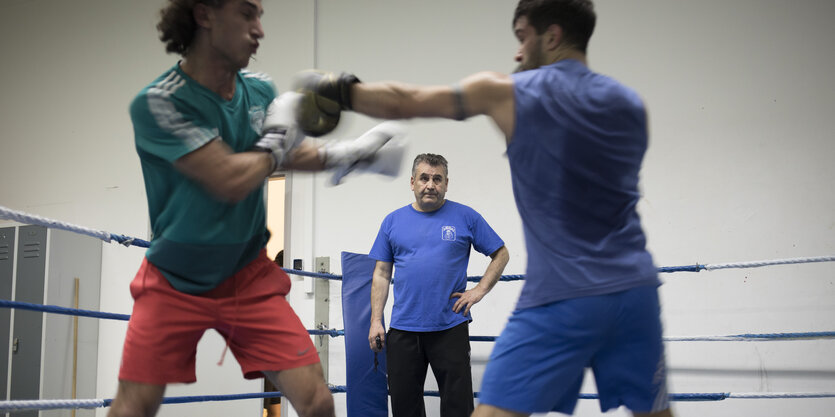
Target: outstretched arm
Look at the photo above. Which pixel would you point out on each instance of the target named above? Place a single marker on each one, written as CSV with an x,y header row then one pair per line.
x,y
488,281
487,93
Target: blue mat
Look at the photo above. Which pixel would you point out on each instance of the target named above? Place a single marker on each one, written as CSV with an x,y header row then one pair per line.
x,y
367,391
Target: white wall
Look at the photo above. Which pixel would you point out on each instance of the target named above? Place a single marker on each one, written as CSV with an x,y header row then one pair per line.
x,y
740,99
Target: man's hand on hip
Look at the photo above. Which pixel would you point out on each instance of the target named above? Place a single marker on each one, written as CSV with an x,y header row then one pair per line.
x,y
467,299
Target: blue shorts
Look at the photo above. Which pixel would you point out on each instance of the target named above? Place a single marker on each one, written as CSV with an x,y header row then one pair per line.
x,y
538,362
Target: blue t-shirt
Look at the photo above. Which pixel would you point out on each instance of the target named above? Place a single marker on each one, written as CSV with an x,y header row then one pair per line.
x,y
430,252
198,241
575,155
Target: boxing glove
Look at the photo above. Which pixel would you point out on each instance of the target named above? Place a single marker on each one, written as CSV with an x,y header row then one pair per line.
x,y
324,96
380,150
280,133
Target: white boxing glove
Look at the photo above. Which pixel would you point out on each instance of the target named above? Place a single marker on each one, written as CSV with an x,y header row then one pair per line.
x,y
280,133
380,150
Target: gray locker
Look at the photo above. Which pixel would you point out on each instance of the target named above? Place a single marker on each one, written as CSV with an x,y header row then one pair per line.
x,y
7,245
45,264
27,326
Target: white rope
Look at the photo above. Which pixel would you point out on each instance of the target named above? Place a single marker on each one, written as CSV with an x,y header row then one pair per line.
x,y
20,405
752,337
754,264
9,214
763,395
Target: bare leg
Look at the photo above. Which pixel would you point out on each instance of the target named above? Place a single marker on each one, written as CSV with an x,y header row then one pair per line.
x,y
135,399
662,413
484,410
272,406
273,410
306,389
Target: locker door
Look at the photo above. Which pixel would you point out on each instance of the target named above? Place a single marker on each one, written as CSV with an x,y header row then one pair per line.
x,y
26,338
7,237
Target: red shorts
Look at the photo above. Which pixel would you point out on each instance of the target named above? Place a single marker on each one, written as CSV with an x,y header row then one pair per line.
x,y
248,309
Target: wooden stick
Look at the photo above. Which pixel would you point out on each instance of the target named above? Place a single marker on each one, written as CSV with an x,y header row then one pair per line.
x,y
75,347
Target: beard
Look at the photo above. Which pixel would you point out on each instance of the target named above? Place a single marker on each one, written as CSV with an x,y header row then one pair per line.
x,y
535,58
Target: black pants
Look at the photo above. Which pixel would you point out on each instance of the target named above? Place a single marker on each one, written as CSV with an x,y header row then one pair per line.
x,y
448,351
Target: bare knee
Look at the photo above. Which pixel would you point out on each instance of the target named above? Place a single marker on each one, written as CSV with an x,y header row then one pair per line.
x,y
125,409
320,404
136,400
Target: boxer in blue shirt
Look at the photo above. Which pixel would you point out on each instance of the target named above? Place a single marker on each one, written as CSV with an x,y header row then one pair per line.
x,y
575,143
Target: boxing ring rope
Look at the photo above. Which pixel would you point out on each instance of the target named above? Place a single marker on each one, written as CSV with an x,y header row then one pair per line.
x,y
20,405
115,316
748,337
752,264
662,269
9,214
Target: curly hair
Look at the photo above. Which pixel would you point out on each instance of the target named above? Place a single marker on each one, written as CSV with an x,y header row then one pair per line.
x,y
177,25
575,17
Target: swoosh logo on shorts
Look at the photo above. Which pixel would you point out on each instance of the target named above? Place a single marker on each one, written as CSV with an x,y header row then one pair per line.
x,y
302,352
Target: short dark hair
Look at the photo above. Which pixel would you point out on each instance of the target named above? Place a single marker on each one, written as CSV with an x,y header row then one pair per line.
x,y
575,17
432,159
177,25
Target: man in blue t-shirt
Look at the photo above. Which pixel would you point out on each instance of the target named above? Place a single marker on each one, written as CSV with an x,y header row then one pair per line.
x,y
575,143
427,244
208,134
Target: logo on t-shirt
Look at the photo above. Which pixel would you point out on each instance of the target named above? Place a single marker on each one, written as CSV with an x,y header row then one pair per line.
x,y
448,233
256,118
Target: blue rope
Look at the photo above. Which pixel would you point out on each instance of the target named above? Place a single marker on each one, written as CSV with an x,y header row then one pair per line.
x,y
62,310
801,335
312,274
691,397
703,396
685,268
229,397
128,241
113,316
329,332
708,396
341,332
477,278
95,403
